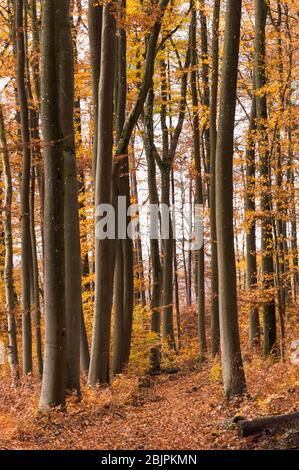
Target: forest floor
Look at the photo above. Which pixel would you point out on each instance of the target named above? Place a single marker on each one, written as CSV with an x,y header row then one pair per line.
x,y
182,410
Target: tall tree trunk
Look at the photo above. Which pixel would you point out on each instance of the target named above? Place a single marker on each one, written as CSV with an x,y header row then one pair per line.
x,y
54,376
266,228
215,329
139,269
104,257
205,81
87,286
36,159
290,172
167,243
154,242
25,190
124,281
35,301
232,365
165,163
198,192
251,265
167,293
99,366
8,266
95,13
175,273
73,298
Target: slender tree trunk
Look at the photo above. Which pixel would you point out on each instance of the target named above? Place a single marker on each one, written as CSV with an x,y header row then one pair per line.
x,y
124,265
251,265
87,286
73,298
167,242
266,229
25,190
198,192
95,13
104,257
175,274
232,366
139,269
8,264
165,164
154,242
290,172
35,161
167,293
205,81
35,301
215,329
54,376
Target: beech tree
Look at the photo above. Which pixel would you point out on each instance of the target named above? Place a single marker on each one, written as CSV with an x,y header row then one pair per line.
x,y
215,333
95,12
232,366
73,299
99,364
266,223
251,263
25,191
54,375
100,351
8,265
199,184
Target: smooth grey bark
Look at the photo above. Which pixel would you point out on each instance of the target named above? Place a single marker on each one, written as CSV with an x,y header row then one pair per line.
x,y
124,274
215,328
95,13
8,263
54,375
175,275
99,366
169,147
120,92
84,347
35,297
104,256
205,81
167,243
198,191
25,186
261,10
155,353
73,274
35,62
167,265
231,358
251,263
290,172
118,343
139,293
36,159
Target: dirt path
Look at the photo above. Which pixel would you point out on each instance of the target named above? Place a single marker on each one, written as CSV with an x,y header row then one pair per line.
x,y
180,411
